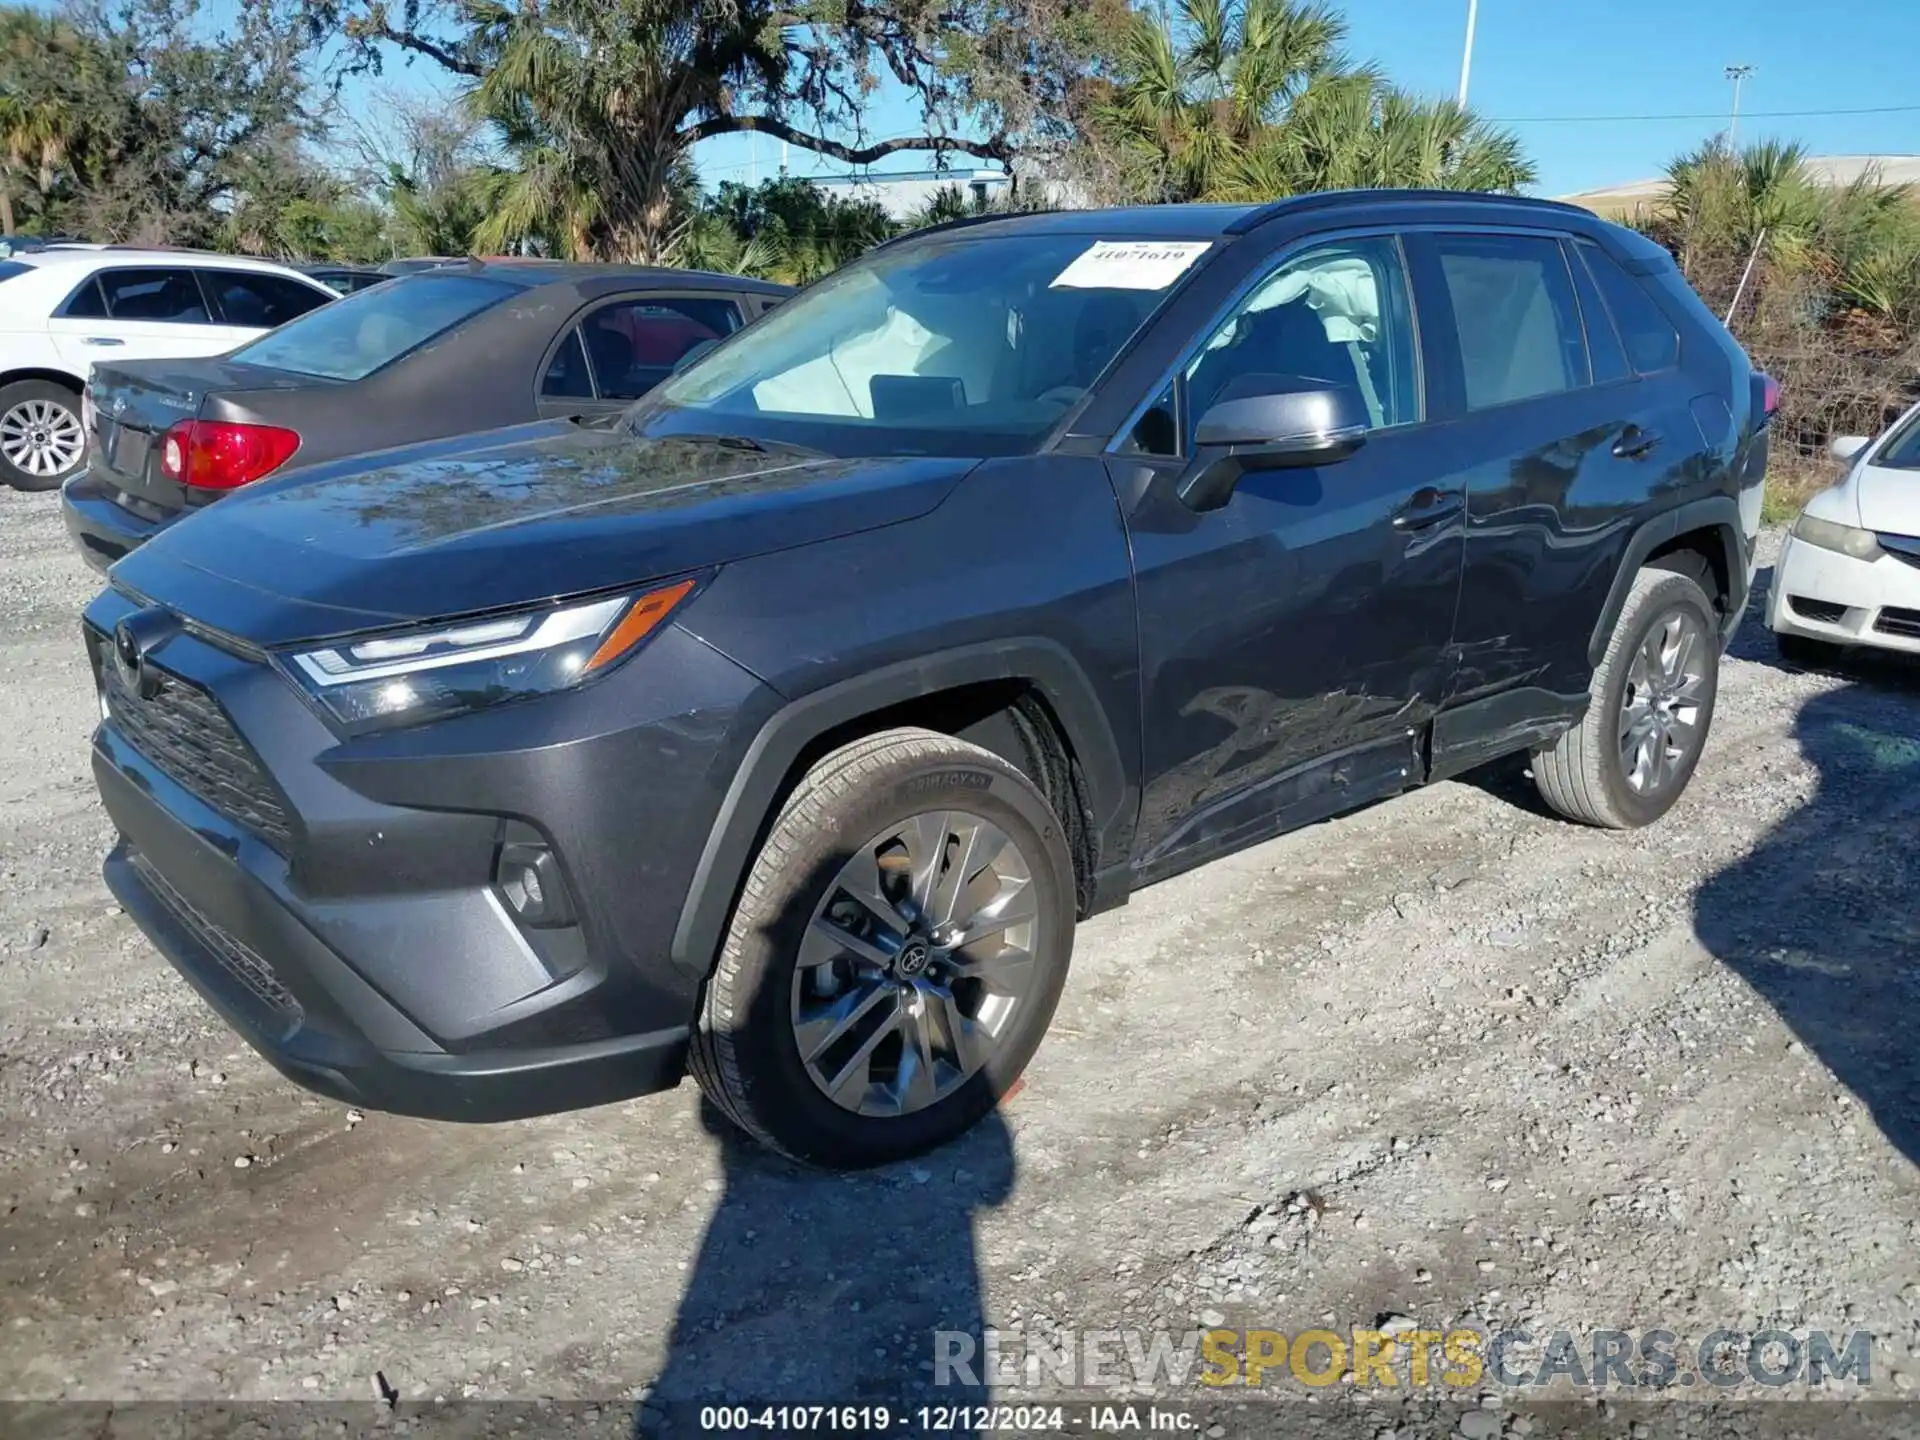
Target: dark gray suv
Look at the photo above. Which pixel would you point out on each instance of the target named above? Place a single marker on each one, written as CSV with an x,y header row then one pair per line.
x,y
783,731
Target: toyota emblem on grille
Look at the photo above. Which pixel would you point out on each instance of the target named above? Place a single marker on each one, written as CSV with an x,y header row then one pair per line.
x,y
135,638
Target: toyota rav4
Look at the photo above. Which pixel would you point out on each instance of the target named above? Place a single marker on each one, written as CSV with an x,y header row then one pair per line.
x,y
782,729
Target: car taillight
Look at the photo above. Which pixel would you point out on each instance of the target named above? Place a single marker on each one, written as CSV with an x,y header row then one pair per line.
x,y
1769,398
86,411
218,455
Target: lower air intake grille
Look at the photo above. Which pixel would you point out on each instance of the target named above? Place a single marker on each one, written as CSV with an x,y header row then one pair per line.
x,y
1824,611
279,1011
1894,621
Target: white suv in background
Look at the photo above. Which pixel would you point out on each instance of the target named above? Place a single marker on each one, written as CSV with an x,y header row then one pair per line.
x,y
64,307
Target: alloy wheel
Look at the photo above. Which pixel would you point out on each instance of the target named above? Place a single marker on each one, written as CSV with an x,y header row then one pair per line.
x,y
1666,695
914,964
41,437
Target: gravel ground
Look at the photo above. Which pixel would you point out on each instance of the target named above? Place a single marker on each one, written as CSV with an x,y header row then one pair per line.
x,y
1445,1062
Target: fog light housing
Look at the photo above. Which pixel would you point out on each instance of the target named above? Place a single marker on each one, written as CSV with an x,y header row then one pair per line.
x,y
529,881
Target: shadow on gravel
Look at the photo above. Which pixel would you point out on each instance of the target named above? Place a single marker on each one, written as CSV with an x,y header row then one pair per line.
x,y
1822,919
820,1288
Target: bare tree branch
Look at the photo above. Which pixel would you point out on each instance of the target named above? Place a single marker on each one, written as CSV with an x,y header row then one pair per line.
x,y
994,147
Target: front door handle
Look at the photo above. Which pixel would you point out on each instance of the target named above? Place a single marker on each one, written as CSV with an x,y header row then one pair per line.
x,y
102,340
1428,505
1634,442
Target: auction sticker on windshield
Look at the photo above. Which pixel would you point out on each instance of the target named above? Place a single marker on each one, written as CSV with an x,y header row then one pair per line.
x,y
1130,265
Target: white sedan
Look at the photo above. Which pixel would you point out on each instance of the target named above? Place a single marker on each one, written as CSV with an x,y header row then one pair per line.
x,y
1850,571
65,306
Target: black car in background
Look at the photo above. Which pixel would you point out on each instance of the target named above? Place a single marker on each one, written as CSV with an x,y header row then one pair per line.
x,y
343,279
422,357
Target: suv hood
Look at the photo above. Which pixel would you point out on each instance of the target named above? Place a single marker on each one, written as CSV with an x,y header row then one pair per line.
x,y
515,517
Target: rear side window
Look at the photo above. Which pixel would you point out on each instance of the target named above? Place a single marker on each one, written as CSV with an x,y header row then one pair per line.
x,y
1515,313
567,375
1608,356
355,336
1652,342
11,268
163,297
259,302
634,344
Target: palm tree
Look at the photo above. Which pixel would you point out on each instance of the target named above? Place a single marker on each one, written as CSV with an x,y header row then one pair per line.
x,y
1255,99
38,122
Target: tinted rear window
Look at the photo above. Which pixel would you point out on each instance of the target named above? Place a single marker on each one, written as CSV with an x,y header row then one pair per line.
x,y
355,336
1652,342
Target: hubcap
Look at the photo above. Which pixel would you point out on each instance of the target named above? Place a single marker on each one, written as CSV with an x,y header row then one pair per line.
x,y
1666,696
915,963
41,437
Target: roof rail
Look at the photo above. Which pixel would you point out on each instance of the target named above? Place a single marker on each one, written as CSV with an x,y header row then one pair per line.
x,y
1331,199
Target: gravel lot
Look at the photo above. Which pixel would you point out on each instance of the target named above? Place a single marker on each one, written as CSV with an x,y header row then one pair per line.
x,y
1448,1059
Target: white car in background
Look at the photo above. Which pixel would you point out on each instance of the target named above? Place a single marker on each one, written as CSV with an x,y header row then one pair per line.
x,y
64,307
1849,573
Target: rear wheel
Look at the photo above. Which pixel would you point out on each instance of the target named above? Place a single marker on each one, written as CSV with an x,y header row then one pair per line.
x,y
896,956
41,442
1650,707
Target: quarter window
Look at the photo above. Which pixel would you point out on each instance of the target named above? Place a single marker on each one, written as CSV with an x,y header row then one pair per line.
x,y
1336,313
1652,342
567,374
1516,317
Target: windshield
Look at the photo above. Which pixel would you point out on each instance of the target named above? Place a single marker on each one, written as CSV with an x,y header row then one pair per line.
x,y
1902,450
351,338
974,345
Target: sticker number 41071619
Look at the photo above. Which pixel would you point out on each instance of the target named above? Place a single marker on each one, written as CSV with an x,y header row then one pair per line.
x,y
1130,264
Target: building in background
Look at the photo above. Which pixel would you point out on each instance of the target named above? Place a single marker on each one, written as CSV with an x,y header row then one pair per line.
x,y
903,192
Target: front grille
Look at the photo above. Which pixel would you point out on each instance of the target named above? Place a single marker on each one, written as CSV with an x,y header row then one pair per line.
x,y
183,730
277,1009
1824,611
1894,621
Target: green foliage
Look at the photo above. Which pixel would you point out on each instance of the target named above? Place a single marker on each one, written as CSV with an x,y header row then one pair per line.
x,y
1254,99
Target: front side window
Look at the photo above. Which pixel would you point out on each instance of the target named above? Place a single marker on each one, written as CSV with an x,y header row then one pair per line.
x,y
962,345
354,336
1336,313
167,297
1515,312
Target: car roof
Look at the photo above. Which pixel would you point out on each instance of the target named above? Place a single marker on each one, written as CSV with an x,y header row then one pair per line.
x,y
1214,221
528,274
98,257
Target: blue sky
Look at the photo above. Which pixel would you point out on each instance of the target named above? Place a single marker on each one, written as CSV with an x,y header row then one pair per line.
x,y
1547,58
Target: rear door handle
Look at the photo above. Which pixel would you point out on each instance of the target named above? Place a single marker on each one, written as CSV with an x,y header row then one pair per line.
x,y
1634,442
102,340
1428,505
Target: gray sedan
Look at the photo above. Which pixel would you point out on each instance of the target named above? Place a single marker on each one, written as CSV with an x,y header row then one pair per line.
x,y
422,357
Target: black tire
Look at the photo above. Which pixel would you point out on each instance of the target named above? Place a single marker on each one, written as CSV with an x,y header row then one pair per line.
x,y
1583,774
1809,654
45,393
744,1052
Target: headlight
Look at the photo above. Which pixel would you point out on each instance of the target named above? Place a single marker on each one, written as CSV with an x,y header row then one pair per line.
x,y
1860,544
404,677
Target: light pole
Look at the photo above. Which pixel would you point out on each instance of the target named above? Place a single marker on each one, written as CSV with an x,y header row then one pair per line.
x,y
1736,73
1466,55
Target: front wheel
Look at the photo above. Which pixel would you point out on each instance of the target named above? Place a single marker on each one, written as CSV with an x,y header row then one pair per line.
x,y
1650,706
896,955
41,442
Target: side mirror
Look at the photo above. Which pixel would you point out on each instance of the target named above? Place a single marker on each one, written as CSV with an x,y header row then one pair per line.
x,y
693,353
1845,447
1269,422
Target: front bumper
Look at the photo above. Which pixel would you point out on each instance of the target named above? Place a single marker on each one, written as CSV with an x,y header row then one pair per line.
x,y
358,942
102,528
1823,595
